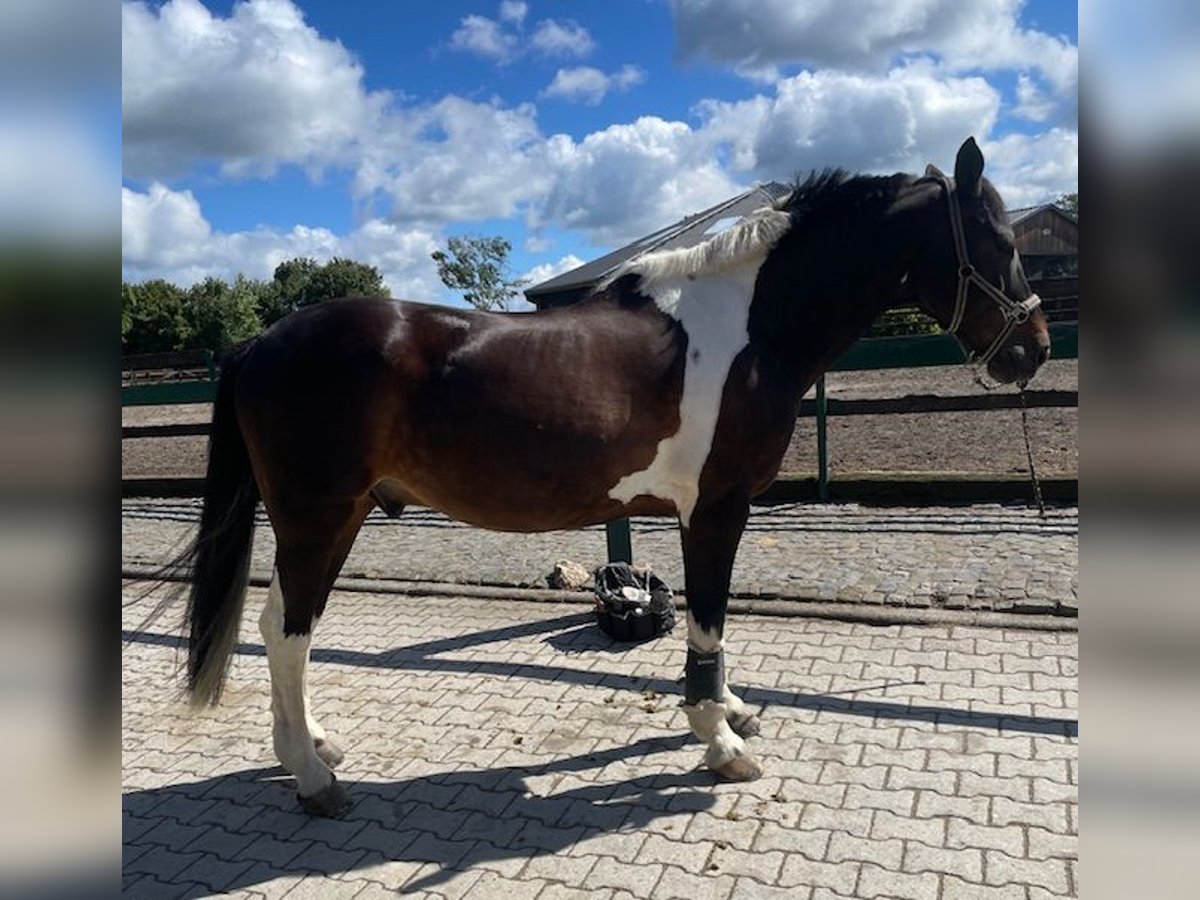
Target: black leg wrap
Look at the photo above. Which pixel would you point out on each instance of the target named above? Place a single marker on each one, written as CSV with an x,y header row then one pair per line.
x,y
704,677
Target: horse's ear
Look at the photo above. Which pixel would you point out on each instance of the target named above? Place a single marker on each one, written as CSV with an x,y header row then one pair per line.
x,y
932,171
968,168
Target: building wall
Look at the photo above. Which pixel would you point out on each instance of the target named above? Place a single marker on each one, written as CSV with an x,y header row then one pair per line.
x,y
1047,233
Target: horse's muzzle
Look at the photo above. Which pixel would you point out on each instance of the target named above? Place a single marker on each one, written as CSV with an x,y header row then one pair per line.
x,y
1019,361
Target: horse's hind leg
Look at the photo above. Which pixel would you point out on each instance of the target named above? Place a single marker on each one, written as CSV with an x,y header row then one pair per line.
x,y
716,714
311,550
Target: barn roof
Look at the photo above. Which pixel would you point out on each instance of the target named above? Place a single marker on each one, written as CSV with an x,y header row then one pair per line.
x,y
1022,213
687,232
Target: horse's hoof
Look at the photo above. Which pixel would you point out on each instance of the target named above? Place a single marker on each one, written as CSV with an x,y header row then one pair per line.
x,y
331,802
331,754
745,727
740,768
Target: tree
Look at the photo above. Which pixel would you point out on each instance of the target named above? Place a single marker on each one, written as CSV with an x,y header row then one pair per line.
x,y
301,281
153,317
220,315
478,266
1069,203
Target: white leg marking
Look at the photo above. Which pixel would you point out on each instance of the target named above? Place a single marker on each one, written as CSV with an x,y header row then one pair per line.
x,y
287,658
314,727
714,311
709,723
701,639
733,704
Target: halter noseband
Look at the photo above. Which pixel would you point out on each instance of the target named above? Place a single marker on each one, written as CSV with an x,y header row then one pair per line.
x,y
1014,312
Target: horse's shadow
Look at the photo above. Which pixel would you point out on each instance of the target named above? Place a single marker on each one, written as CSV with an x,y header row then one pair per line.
x,y
453,820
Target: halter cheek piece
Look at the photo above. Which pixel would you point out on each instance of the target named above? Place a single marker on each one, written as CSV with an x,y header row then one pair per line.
x,y
1014,312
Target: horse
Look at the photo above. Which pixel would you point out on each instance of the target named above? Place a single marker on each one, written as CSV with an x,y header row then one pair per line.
x,y
672,390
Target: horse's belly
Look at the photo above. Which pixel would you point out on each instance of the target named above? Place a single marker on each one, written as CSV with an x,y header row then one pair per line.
x,y
517,498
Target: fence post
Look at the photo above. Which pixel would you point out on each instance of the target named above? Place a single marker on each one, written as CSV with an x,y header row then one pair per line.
x,y
620,543
822,444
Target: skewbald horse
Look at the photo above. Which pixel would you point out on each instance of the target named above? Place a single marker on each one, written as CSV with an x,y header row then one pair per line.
x,y
671,391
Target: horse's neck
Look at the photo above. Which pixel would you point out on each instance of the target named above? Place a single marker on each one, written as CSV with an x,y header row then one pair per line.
x,y
817,297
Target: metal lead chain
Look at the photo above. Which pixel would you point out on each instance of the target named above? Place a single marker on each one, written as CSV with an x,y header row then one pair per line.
x,y
1037,485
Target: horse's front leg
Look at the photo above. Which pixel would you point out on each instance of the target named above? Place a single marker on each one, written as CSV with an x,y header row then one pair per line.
x,y
717,716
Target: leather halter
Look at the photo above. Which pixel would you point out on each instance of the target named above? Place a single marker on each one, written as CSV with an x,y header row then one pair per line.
x,y
1014,312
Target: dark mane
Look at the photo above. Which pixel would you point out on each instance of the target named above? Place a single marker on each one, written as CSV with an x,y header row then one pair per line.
x,y
820,191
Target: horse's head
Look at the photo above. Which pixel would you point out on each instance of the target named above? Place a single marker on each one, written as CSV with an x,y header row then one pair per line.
x,y
968,274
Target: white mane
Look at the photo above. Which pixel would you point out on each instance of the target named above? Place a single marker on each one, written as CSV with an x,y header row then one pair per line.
x,y
748,241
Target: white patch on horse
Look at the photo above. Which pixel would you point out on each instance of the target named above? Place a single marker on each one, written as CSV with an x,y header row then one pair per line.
x,y
287,659
707,289
701,639
709,722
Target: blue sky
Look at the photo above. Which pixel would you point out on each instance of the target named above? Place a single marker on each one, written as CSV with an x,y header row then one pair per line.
x,y
264,129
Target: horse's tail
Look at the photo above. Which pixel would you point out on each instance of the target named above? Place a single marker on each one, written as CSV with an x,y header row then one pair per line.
x,y
220,557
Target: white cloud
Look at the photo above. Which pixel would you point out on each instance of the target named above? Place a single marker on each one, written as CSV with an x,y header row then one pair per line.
x,y
622,182
585,84
1032,103
871,34
538,243
165,235
1030,169
562,39
454,160
485,37
252,91
513,11
863,122
503,40
546,271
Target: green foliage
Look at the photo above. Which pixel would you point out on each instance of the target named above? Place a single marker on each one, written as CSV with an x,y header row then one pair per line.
x,y
1069,203
478,266
901,321
152,317
213,314
220,315
301,281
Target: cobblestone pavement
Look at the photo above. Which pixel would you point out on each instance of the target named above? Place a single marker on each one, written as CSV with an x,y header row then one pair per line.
x,y
984,556
508,750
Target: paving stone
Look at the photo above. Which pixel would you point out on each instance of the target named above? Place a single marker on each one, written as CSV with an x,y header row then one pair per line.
x,y
1008,839
639,880
676,884
1045,844
812,843
162,863
933,805
570,870
887,826
957,889
748,889
761,866
213,872
1050,874
966,864
878,882
151,888
690,857
1051,816
801,871
319,887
